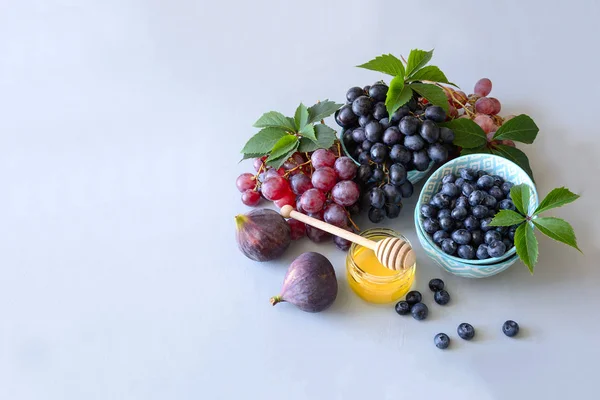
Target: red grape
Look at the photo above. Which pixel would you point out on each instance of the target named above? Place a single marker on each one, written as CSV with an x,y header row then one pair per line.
x,y
452,111
275,188
345,193
342,243
346,168
460,99
287,199
298,229
485,122
300,183
324,178
245,181
312,200
490,136
271,173
485,105
315,234
250,197
335,215
258,162
483,87
322,158
497,106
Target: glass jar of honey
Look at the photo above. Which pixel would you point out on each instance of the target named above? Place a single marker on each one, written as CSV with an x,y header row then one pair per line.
x,y
372,281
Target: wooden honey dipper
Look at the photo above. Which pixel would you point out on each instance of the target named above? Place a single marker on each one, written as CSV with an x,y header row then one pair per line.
x,y
393,253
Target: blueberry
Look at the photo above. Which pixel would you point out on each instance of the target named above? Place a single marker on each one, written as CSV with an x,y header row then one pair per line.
x,y
431,225
399,114
439,236
444,213
378,91
446,224
459,225
466,331
506,188
459,213
498,180
467,189
362,106
496,249
364,120
459,182
380,111
441,341
485,182
385,123
440,200
461,236
376,198
353,93
397,174
373,131
482,252
378,175
419,311
448,178
449,246
490,201
358,135
376,215
475,198
366,145
345,117
472,223
407,189
435,113
502,229
485,224
477,237
430,131
467,174
446,135
452,205
511,233
428,211
496,192
379,152
409,125
492,236
437,153
507,204
508,243
413,297
462,201
510,328
436,284
421,160
481,173
392,136
442,297
414,143
400,154
392,194
364,158
403,308
480,211
466,251
449,189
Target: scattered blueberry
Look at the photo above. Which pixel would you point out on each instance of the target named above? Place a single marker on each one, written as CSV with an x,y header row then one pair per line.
x,y
413,297
510,328
466,331
403,308
419,311
442,297
436,284
441,341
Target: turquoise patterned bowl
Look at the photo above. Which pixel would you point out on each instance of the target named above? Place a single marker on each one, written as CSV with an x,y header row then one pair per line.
x,y
414,176
494,165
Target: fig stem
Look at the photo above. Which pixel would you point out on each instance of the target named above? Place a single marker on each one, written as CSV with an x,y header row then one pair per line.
x,y
275,299
240,220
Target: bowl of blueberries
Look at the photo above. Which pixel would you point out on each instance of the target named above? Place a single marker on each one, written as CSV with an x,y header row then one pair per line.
x,y
455,209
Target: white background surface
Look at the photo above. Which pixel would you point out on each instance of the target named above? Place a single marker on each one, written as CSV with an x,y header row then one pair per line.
x,y
120,127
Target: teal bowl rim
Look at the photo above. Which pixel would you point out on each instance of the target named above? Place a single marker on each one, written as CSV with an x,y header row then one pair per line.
x,y
410,173
510,252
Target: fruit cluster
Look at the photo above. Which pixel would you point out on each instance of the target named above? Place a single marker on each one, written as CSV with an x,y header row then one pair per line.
x,y
458,217
320,185
389,147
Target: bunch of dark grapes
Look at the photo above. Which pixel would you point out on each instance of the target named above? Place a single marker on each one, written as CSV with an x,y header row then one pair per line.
x,y
389,147
320,186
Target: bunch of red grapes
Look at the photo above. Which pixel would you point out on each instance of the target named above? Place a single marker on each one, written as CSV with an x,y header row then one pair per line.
x,y
483,110
320,185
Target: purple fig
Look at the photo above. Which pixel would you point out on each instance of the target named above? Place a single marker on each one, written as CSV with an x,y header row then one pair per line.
x,y
262,235
309,283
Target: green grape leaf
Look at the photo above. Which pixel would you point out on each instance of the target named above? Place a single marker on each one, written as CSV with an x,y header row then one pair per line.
x,y
477,150
397,95
507,218
322,110
301,116
325,139
251,155
433,93
386,63
278,162
275,119
430,73
520,129
286,144
515,155
557,229
308,132
527,245
467,134
307,145
264,140
556,198
520,197
417,59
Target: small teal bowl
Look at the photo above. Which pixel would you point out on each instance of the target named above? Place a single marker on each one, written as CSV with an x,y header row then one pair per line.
x,y
492,164
414,176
